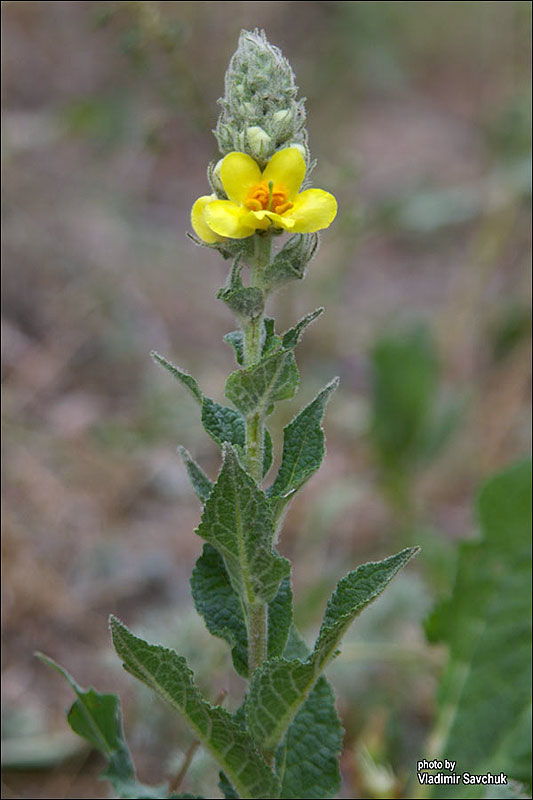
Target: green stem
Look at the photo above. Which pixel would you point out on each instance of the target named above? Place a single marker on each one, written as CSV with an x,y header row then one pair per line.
x,y
257,636
253,329
255,433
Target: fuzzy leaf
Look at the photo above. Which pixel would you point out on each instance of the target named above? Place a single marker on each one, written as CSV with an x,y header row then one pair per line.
x,y
280,687
268,452
236,340
290,262
226,788
485,694
237,521
247,301
271,341
98,719
307,761
216,601
167,673
293,335
303,449
222,423
280,271
183,377
200,482
296,646
257,389
279,619
353,593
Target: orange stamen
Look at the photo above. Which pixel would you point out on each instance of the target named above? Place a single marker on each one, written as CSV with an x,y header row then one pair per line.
x,y
261,198
282,208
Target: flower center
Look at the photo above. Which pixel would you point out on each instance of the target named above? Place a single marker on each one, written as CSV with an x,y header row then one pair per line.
x,y
267,197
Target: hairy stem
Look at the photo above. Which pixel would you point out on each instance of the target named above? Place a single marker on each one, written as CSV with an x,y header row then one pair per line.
x,y
255,432
257,636
252,329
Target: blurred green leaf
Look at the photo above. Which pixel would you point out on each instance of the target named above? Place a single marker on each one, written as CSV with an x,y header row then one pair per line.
x,y
404,380
409,424
106,118
485,696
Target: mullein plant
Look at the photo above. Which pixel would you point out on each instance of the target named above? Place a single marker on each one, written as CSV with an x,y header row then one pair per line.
x,y
285,739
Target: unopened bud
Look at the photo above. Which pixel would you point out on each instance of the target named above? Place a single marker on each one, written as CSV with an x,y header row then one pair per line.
x,y
282,116
259,143
215,178
260,113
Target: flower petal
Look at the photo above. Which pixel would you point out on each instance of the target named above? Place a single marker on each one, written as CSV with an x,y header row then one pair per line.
x,y
313,210
230,220
268,219
239,173
287,169
200,226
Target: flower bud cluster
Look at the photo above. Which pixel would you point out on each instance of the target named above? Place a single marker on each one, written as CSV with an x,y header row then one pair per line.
x,y
260,113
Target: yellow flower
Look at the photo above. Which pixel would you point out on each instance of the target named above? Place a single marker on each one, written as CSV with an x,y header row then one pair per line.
x,y
262,200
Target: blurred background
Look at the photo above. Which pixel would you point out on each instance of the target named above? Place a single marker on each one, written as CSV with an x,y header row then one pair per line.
x,y
419,115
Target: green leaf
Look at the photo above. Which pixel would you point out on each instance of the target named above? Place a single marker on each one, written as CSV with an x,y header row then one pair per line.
x,y
237,521
293,335
226,788
200,482
485,694
236,340
303,449
354,593
247,302
167,673
268,452
98,719
290,262
216,601
280,271
507,791
280,619
404,388
257,388
296,646
280,687
183,377
185,796
223,424
307,761
271,340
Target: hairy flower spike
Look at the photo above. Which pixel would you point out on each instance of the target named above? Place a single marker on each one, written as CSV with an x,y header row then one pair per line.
x,y
260,112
